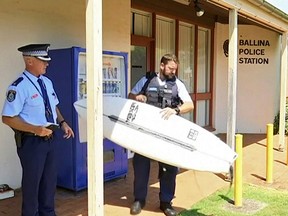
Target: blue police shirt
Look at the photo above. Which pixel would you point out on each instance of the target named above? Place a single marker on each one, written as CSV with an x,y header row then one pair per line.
x,y
182,91
24,99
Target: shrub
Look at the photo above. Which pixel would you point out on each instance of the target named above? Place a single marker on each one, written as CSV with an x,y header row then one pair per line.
x,y
276,121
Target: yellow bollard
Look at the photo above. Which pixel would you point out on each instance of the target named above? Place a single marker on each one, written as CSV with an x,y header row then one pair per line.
x,y
269,154
238,171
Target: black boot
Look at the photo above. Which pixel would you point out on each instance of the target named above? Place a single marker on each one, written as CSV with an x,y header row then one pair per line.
x,y
168,209
137,207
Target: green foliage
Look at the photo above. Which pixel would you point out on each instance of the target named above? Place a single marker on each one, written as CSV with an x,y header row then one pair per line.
x,y
276,121
257,201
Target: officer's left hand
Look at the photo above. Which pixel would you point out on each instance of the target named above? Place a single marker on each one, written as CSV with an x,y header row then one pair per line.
x,y
167,112
68,132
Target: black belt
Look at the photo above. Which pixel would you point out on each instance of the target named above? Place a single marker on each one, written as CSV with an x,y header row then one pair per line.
x,y
46,138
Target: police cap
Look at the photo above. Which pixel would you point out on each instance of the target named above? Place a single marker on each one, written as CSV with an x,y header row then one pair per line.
x,y
39,51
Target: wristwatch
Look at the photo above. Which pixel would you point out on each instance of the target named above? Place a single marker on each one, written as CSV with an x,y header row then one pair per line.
x,y
177,110
61,123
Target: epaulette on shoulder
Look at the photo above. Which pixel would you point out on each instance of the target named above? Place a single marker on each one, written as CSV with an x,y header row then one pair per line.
x,y
150,74
16,82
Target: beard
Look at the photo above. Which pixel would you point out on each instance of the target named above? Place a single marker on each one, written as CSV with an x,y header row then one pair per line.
x,y
168,76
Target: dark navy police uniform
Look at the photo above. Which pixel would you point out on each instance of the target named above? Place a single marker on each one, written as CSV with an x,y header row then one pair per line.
x,y
37,154
141,164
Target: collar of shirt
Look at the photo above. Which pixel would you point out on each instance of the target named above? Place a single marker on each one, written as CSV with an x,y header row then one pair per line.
x,y
31,76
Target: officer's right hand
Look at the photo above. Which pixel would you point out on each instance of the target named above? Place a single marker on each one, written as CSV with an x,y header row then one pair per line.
x,y
42,131
141,98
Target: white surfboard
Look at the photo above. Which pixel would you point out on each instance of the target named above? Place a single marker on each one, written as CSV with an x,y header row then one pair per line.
x,y
140,128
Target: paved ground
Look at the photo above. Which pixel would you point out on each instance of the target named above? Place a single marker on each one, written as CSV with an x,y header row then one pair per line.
x,y
192,186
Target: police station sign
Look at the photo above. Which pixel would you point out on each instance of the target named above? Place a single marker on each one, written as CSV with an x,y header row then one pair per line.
x,y
250,51
253,51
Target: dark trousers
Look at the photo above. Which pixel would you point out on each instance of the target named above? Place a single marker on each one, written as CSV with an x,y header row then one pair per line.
x,y
39,176
167,178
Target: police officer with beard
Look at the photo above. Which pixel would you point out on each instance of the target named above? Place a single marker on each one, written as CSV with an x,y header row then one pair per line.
x,y
166,91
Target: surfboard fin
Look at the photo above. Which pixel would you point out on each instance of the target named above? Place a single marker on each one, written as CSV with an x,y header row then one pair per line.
x,y
230,176
231,173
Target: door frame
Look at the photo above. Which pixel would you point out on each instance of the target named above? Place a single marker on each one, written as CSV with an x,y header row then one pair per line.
x,y
149,44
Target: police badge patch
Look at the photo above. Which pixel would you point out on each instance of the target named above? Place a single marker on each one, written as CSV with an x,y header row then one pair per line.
x,y
11,95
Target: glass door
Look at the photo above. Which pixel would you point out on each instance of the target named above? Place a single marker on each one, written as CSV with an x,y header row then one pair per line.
x,y
138,63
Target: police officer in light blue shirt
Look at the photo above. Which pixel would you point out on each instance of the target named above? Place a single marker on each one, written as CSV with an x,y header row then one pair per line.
x,y
30,109
26,90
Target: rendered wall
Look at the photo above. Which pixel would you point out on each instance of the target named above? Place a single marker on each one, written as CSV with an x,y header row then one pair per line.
x,y
258,81
60,24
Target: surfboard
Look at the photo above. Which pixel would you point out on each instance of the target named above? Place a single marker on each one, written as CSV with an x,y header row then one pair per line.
x,y
140,128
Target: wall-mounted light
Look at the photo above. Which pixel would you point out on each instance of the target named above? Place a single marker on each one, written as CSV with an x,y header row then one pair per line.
x,y
198,9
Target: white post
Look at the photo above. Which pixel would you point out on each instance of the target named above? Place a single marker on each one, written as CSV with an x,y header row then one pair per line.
x,y
232,77
94,107
283,81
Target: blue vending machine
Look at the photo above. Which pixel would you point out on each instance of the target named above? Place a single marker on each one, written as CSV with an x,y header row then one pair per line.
x,y
67,69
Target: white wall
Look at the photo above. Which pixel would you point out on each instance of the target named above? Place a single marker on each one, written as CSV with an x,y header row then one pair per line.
x,y
116,27
61,25
257,84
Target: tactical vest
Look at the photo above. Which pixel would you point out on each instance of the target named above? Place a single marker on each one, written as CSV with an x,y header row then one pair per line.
x,y
161,96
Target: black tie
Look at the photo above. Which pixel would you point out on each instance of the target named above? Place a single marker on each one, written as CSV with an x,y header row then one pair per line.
x,y
48,111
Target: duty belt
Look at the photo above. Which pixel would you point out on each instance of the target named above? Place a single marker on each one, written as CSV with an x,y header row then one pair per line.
x,y
46,138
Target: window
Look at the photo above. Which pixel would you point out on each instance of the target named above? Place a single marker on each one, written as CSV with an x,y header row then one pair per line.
x,y
141,23
203,77
165,38
186,58
203,66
